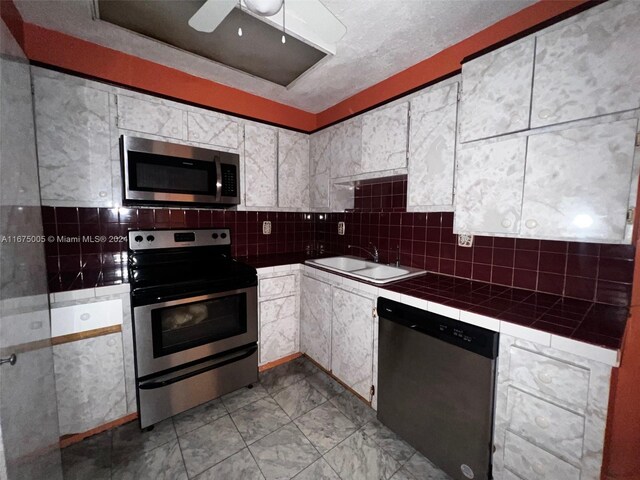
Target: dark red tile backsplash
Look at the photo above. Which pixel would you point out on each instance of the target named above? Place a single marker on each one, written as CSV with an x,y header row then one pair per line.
x,y
587,271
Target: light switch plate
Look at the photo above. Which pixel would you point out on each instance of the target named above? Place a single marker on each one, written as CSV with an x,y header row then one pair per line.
x,y
340,228
266,227
465,240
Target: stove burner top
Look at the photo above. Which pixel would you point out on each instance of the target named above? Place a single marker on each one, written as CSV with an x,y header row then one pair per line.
x,y
166,264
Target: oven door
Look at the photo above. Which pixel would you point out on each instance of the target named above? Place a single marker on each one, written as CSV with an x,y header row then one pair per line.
x,y
172,334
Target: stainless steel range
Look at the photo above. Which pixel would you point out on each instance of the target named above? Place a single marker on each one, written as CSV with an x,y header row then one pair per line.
x,y
195,319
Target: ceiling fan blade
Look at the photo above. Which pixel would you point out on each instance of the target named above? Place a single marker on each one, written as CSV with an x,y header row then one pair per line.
x,y
211,14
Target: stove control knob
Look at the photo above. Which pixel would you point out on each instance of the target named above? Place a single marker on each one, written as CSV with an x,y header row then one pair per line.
x,y
223,235
214,236
138,238
150,238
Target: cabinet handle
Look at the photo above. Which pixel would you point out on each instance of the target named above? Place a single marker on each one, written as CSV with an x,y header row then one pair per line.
x,y
531,223
545,377
544,113
506,223
85,316
102,194
194,134
542,422
538,468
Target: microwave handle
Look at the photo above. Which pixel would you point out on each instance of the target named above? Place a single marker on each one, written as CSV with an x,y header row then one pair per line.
x,y
218,179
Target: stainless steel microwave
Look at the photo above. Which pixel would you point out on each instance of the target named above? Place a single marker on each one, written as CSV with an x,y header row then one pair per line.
x,y
163,173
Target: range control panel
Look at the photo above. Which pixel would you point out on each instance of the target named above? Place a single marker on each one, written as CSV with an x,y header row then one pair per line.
x,y
156,239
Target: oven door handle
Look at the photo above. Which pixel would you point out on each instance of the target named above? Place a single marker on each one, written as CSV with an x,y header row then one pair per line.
x,y
168,380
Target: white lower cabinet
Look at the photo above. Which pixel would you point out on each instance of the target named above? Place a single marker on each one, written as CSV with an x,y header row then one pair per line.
x,y
551,410
278,314
352,340
315,320
278,328
90,382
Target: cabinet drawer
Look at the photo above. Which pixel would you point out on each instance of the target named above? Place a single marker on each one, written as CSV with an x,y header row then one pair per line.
x,y
275,286
567,383
533,463
559,430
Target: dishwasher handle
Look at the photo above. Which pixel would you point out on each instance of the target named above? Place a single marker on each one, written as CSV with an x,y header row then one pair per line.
x,y
470,337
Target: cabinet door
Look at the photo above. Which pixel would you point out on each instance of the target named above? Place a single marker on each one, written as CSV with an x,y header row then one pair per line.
x,y
577,182
489,187
352,340
74,156
315,320
319,168
150,117
346,148
89,382
586,68
212,129
432,147
278,328
293,170
384,138
496,92
260,157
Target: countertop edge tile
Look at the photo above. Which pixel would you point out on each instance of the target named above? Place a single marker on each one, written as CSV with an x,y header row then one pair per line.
x,y
586,350
478,320
525,333
443,310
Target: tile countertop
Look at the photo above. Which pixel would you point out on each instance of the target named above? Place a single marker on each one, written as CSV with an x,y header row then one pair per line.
x,y
476,302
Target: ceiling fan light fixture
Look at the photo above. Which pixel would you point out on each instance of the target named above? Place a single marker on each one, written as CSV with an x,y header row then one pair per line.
x,y
266,8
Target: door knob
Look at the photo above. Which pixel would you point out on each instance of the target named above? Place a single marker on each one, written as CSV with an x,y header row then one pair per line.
x,y
11,359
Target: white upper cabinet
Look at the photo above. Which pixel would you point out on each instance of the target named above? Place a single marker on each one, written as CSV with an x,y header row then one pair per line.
x,y
212,129
320,168
432,147
150,117
588,67
496,92
577,182
489,187
73,140
261,166
293,170
384,138
346,148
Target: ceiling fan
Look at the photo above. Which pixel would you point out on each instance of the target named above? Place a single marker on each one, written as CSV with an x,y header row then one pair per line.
x,y
308,20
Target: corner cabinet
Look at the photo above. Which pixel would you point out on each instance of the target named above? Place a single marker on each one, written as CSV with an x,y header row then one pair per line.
x,y
315,320
432,149
352,339
585,68
496,92
73,141
293,170
550,413
384,138
261,166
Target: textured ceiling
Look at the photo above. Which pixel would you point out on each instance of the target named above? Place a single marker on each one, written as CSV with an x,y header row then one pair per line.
x,y
383,38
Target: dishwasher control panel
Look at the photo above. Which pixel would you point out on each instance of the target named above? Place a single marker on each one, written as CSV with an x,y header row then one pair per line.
x,y
476,339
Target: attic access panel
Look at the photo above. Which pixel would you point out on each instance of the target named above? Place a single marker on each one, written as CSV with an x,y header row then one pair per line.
x,y
258,52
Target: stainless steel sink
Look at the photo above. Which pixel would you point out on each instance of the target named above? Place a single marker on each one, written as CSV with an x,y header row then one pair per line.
x,y
365,270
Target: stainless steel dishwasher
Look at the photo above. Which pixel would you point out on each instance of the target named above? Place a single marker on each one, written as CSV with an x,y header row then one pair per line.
x,y
436,383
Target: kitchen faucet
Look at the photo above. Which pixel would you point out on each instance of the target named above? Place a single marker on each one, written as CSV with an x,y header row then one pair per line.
x,y
374,254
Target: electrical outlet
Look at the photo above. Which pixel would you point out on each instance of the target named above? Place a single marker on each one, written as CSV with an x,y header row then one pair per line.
x,y
266,227
340,228
465,240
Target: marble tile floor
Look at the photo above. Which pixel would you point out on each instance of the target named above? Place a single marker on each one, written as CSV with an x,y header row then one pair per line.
x,y
297,422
